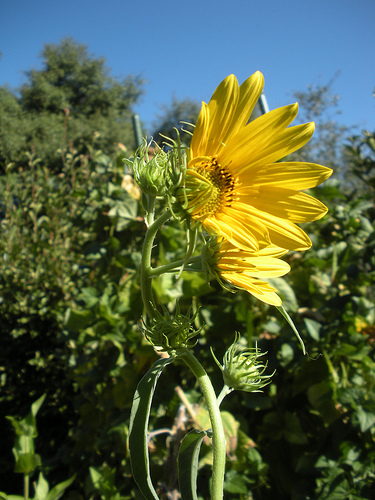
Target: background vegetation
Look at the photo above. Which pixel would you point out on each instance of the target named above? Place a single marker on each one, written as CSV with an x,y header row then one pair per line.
x,y
72,230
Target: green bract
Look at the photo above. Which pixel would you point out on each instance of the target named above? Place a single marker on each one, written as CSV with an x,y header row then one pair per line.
x,y
242,370
151,168
172,332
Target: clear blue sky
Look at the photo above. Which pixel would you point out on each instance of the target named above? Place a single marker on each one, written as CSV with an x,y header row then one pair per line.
x,y
185,49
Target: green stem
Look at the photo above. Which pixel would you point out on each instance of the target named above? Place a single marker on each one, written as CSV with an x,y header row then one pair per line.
x,y
150,210
146,287
26,483
224,392
218,439
173,266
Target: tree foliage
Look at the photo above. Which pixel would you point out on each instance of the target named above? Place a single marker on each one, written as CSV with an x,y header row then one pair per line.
x,y
318,103
176,115
66,102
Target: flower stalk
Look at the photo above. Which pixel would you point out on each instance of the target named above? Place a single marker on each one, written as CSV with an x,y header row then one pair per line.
x,y
146,284
218,439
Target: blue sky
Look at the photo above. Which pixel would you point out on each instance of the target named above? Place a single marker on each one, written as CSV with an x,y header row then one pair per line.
x,y
184,49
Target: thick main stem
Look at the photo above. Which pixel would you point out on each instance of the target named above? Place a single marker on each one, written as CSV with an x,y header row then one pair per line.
x,y
146,287
218,439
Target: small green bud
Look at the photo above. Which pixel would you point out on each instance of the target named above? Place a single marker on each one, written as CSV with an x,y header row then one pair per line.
x,y
241,369
151,170
171,333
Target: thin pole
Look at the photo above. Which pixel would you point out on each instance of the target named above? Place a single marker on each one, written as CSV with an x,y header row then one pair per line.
x,y
263,104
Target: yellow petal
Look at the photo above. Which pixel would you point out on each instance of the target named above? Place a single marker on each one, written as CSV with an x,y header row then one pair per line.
x,y
259,289
253,232
291,175
287,204
286,142
250,92
267,267
237,234
221,108
282,233
272,251
263,267
198,143
257,135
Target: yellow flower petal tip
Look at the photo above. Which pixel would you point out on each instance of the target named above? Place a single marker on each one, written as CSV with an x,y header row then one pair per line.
x,y
246,270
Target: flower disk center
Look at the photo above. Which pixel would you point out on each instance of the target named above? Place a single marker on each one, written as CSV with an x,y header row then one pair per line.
x,y
209,187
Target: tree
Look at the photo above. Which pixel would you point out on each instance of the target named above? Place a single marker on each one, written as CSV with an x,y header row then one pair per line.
x,y
360,153
69,100
319,104
173,116
12,127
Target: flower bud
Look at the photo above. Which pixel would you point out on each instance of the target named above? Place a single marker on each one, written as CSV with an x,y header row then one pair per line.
x,y
171,333
242,370
151,170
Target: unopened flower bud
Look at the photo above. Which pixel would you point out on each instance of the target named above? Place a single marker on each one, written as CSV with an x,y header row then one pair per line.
x,y
242,369
151,170
170,333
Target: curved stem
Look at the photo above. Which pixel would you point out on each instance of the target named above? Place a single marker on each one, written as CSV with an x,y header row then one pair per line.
x,y
224,392
146,287
218,439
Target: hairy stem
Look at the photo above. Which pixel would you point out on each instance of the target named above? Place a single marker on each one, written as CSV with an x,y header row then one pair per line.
x,y
146,287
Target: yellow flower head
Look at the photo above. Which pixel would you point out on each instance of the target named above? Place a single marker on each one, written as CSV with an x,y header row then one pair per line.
x,y
245,269
234,186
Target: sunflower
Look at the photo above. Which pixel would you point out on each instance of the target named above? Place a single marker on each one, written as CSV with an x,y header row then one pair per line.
x,y
245,269
235,186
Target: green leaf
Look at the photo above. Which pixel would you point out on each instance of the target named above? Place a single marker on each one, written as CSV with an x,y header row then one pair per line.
x,y
27,463
366,419
287,293
41,488
58,490
293,432
35,407
4,496
313,327
76,320
139,418
195,285
290,321
321,398
187,462
235,483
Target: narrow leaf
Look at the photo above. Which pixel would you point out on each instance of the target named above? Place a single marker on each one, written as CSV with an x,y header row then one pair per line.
x,y
139,418
290,321
37,404
58,490
187,463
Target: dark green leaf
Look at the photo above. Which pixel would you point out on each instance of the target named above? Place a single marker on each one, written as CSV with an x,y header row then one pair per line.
x,y
187,462
139,418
